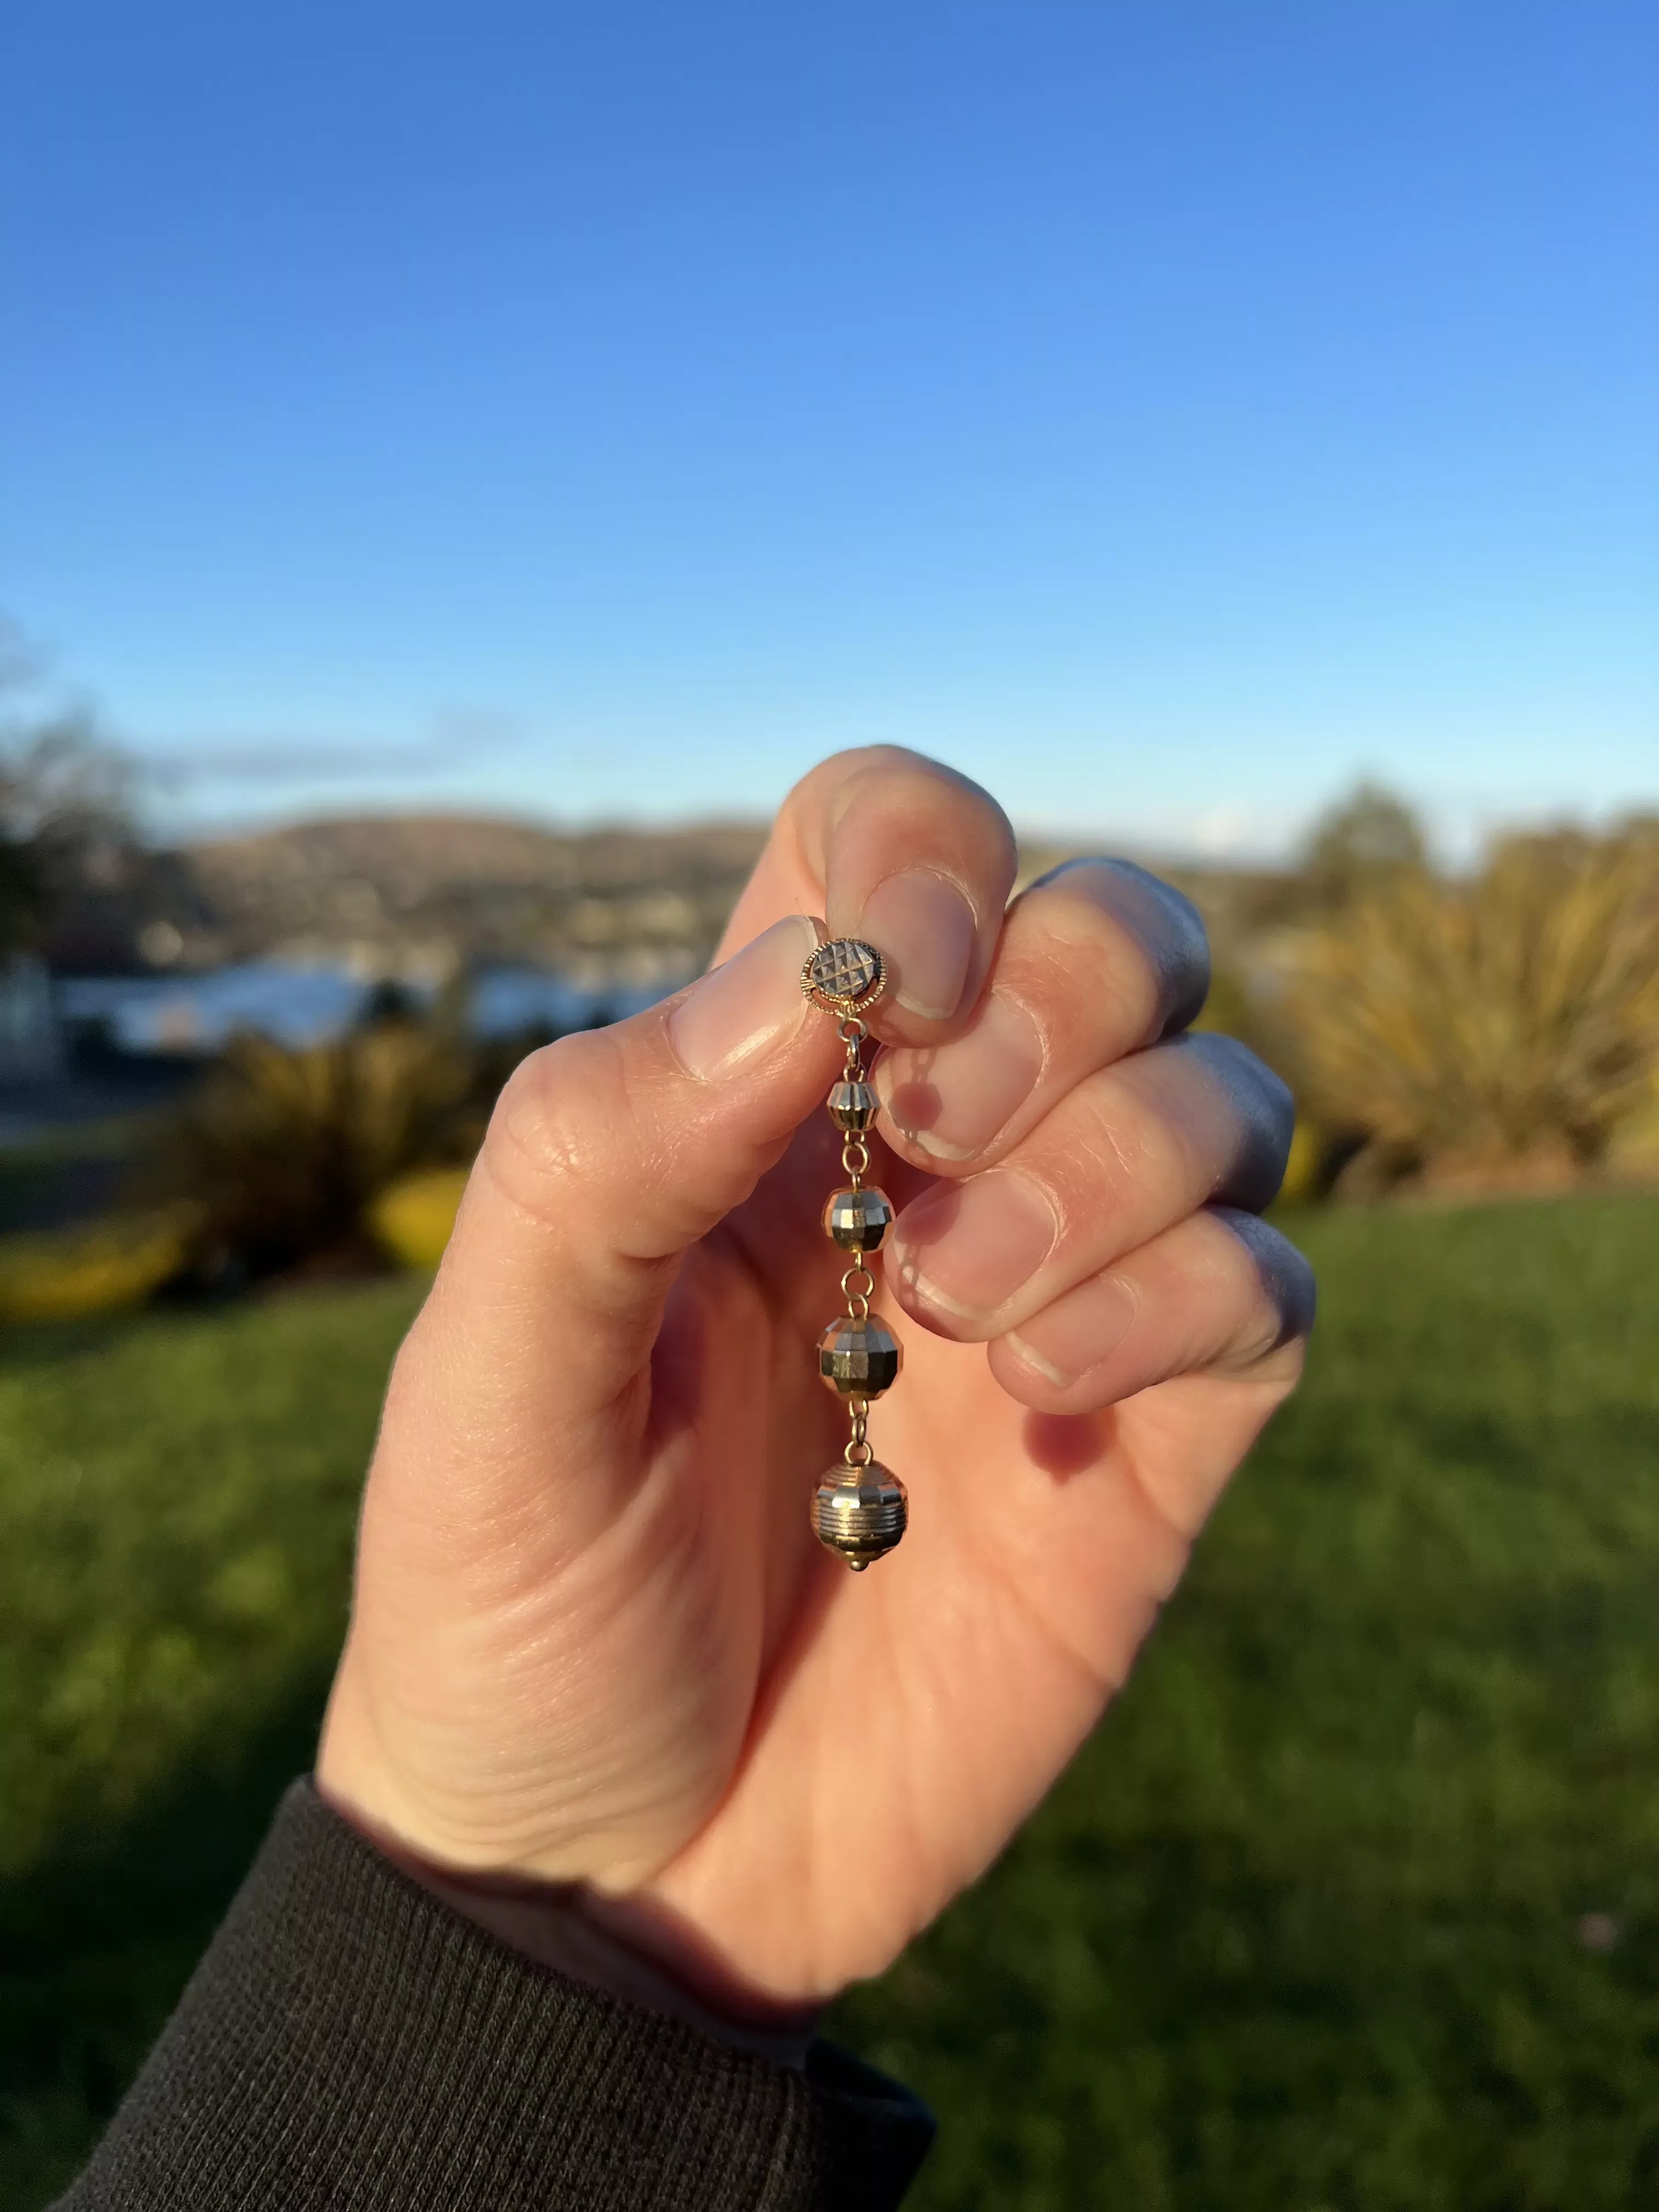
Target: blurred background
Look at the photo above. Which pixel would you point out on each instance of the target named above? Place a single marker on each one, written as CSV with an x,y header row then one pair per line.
x,y
457,468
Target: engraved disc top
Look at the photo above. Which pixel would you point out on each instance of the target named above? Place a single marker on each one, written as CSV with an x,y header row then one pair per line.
x,y
845,976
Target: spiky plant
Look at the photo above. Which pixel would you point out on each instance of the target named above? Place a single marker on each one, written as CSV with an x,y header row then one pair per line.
x,y
282,1152
1504,1025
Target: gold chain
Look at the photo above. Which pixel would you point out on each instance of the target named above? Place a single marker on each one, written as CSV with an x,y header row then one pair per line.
x,y
858,1509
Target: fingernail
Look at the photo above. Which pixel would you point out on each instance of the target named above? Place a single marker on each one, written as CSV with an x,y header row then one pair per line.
x,y
748,1005
1064,1341
952,1099
967,1248
923,928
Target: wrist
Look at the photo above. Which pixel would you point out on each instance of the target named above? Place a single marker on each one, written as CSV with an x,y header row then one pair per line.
x,y
636,1952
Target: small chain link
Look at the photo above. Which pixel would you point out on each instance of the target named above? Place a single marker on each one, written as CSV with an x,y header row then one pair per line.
x,y
857,1452
856,1164
854,1152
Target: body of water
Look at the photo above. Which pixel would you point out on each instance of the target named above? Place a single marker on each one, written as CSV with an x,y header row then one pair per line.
x,y
191,1015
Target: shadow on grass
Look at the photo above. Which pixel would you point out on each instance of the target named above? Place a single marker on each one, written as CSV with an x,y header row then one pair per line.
x,y
25,1346
96,1945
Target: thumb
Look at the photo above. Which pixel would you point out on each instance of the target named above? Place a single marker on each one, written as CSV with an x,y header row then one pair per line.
x,y
609,1154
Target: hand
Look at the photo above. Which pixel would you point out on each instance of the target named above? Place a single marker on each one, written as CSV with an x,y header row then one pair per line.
x,y
594,1639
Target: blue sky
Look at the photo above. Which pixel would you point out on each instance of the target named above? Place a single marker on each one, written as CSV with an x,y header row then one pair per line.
x,y
1166,413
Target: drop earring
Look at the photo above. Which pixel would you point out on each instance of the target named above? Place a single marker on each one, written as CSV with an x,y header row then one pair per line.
x,y
859,1508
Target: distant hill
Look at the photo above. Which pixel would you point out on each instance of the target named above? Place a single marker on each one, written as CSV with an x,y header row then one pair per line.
x,y
422,852
420,895
408,893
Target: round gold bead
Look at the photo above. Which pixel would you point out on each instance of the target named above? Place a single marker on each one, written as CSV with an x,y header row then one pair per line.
x,y
859,1220
859,1512
859,1359
853,1106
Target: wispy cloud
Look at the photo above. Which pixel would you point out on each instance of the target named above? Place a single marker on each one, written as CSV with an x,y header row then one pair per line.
x,y
280,760
453,737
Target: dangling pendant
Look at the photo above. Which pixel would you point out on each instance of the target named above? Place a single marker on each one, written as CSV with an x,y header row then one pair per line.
x,y
859,1509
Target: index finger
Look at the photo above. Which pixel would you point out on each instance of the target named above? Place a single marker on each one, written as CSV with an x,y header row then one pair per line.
x,y
901,851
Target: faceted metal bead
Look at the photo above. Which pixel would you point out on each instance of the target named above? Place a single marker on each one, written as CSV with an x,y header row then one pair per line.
x,y
859,1220
845,976
852,1105
859,1359
859,1512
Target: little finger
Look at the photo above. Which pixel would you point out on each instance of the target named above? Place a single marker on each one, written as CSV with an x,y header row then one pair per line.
x,y
1222,1292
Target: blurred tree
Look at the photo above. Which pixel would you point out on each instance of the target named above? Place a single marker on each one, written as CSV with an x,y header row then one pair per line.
x,y
1370,836
66,823
1365,839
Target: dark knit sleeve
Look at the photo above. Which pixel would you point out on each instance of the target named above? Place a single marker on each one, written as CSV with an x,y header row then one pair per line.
x,y
348,2040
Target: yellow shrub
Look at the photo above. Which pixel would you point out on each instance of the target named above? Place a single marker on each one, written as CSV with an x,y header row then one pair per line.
x,y
1514,1017
1635,1148
1302,1167
413,1217
282,1151
58,1274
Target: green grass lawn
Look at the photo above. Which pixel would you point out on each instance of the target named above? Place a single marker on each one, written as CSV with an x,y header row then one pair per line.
x,y
1304,1928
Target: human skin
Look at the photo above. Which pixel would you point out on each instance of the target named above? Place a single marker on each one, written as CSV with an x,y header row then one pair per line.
x,y
595,1649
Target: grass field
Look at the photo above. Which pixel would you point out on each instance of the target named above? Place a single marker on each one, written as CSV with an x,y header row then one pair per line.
x,y
1352,1902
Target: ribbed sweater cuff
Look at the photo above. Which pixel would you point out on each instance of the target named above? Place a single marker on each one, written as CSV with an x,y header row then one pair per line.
x,y
350,2041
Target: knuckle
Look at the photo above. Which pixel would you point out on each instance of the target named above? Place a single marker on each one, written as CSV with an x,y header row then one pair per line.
x,y
1114,899
1127,1153
547,1136
898,765
811,806
837,771
1082,978
913,789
